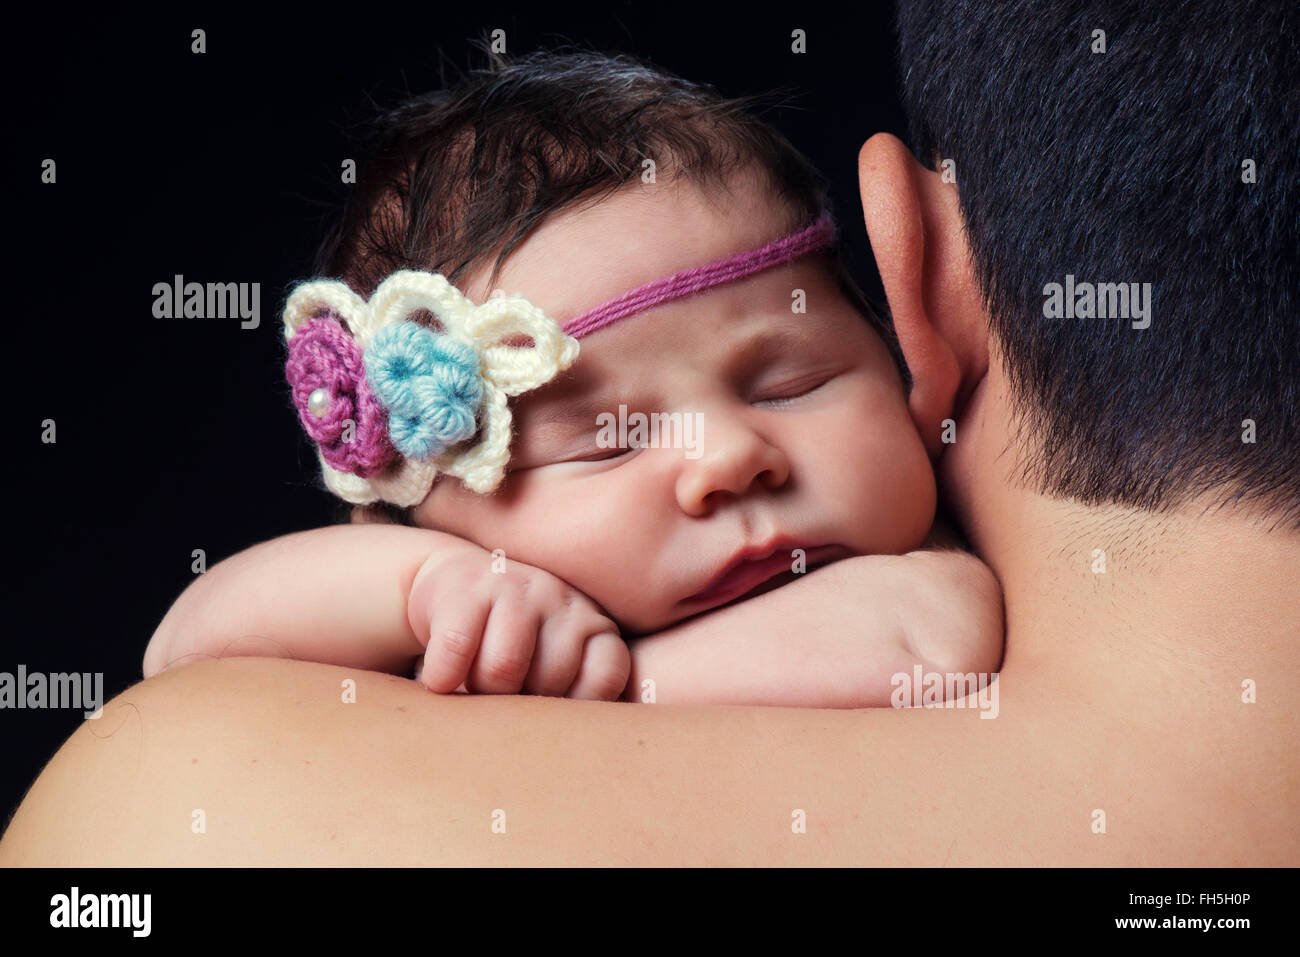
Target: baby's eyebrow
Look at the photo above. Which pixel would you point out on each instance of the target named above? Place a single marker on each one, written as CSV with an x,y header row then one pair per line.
x,y
584,404
774,342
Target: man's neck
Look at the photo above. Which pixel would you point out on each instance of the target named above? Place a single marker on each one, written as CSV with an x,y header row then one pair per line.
x,y
1124,601
1145,601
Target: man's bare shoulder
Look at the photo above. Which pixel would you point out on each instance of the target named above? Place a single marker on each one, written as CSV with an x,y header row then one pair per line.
x,y
269,762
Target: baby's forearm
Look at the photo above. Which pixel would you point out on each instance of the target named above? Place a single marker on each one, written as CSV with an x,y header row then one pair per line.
x,y
336,595
832,639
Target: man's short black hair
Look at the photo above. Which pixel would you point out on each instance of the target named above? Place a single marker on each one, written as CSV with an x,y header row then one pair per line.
x,y
1130,165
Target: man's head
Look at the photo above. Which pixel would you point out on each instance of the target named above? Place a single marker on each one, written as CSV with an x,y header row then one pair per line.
x,y
1171,158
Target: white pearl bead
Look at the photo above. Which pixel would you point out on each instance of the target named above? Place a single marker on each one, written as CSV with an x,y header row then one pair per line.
x,y
318,403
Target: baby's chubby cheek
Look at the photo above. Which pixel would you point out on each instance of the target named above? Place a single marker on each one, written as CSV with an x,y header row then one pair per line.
x,y
626,554
881,486
595,542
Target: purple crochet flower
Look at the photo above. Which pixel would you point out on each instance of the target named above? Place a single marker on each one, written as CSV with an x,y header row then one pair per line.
x,y
328,377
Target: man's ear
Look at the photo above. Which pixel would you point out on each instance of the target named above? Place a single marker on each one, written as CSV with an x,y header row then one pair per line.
x,y
915,226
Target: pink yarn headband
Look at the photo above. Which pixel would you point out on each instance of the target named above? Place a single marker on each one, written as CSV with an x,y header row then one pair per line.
x,y
820,233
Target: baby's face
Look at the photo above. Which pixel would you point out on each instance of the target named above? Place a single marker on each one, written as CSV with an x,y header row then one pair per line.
x,y
803,430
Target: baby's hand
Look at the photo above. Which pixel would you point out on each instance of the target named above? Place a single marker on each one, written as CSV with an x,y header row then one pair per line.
x,y
502,627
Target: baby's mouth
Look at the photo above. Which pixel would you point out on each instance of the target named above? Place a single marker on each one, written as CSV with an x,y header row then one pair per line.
x,y
773,583
752,578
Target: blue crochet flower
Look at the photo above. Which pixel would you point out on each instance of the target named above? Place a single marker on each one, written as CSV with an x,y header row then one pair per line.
x,y
429,383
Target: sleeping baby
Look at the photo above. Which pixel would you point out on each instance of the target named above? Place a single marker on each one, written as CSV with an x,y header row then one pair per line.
x,y
673,463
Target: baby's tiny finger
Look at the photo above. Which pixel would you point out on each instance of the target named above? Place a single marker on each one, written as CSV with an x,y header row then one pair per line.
x,y
606,666
455,634
506,650
557,657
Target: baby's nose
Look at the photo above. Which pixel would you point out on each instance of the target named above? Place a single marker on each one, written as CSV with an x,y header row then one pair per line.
x,y
731,457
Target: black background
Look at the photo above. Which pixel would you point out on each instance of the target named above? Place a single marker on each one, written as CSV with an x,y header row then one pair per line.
x,y
177,434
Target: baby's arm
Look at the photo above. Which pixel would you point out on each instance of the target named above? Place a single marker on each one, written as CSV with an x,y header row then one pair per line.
x,y
377,596
336,595
832,639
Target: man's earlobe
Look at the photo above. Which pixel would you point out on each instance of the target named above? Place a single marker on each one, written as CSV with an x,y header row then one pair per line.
x,y
913,220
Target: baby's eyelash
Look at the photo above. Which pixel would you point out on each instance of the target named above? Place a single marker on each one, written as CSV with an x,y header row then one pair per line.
x,y
799,393
605,455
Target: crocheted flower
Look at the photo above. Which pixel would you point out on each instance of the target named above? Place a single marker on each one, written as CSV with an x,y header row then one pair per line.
x,y
429,383
325,369
436,389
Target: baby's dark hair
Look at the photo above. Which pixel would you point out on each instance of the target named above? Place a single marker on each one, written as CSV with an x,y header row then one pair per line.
x,y
459,177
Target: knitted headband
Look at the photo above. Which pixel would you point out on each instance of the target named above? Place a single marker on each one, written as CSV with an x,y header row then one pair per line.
x,y
392,403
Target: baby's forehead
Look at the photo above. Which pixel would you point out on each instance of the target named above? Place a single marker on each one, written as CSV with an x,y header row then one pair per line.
x,y
589,255
654,282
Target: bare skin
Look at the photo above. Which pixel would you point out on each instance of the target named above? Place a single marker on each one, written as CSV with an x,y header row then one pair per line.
x,y
1120,693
